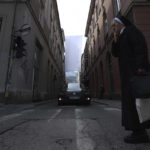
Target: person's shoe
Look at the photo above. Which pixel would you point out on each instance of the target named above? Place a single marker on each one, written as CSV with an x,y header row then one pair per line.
x,y
137,137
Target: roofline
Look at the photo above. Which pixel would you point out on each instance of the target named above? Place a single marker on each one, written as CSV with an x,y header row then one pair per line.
x,y
92,6
58,18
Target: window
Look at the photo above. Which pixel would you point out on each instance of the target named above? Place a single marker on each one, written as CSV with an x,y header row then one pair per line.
x,y
101,74
51,16
116,4
110,71
41,17
97,13
1,19
54,27
98,34
99,39
92,22
105,22
94,48
106,25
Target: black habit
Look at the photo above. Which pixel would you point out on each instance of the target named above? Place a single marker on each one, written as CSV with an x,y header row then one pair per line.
x,y
132,52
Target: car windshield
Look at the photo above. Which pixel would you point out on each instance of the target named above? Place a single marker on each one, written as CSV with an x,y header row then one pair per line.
x,y
74,87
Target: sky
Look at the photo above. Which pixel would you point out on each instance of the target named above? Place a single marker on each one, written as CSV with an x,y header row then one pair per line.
x,y
73,16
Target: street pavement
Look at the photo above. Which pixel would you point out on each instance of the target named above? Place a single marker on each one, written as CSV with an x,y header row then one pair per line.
x,y
47,126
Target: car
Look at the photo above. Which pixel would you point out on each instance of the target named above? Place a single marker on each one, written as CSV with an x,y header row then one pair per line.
x,y
74,94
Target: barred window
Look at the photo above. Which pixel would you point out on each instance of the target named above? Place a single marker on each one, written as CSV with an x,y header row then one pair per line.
x,y
1,19
116,4
105,24
99,39
98,34
41,17
97,13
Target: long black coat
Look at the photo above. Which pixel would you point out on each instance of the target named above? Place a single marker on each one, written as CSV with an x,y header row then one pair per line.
x,y
132,53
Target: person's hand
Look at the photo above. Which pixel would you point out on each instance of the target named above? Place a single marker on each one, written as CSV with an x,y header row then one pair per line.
x,y
115,37
141,70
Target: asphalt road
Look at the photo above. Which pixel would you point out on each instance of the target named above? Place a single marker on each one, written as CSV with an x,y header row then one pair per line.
x,y
69,127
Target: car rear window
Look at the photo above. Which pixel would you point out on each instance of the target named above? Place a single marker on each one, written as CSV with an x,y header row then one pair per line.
x,y
73,87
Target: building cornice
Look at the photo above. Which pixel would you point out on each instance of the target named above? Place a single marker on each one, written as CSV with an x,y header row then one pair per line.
x,y
58,18
92,6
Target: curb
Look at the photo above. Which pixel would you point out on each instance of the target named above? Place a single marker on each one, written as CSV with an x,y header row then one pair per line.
x,y
24,106
97,101
111,103
42,102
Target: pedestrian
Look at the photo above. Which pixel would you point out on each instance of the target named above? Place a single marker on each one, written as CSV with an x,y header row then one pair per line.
x,y
129,45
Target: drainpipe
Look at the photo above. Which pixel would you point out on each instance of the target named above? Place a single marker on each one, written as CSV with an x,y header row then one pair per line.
x,y
8,75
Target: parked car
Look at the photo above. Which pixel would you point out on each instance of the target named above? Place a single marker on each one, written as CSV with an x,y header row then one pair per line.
x,y
74,94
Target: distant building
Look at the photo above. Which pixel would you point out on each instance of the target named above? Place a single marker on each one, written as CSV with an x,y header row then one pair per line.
x,y
73,47
72,77
39,74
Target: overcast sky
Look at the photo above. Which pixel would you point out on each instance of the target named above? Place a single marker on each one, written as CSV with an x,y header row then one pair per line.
x,y
73,16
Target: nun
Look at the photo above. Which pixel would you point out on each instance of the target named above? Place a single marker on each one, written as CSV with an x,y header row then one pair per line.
x,y
129,46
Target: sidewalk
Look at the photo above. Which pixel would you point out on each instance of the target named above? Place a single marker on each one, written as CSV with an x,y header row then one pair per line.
x,y
6,109
110,102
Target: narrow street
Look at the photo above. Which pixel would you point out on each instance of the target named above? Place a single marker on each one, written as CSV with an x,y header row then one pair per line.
x,y
73,49
68,127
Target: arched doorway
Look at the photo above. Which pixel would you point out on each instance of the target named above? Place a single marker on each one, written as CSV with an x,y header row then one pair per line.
x,y
110,74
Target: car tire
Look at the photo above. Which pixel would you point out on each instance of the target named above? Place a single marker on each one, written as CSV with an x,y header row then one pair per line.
x,y
60,103
89,103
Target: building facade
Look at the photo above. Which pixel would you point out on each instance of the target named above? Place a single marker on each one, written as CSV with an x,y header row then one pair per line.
x,y
36,72
102,68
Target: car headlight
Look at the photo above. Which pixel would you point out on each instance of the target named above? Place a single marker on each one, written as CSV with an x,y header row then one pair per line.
x,y
59,98
88,98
